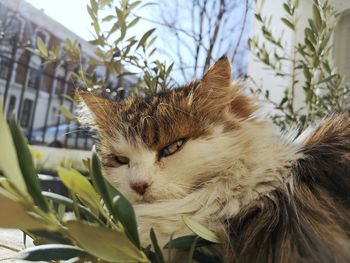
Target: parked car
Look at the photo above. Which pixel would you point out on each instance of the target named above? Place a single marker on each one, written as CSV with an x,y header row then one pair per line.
x,y
68,135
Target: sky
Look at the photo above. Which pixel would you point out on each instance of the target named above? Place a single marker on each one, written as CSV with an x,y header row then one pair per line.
x,y
71,13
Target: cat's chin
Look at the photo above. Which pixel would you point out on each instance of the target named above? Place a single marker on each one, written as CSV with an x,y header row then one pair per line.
x,y
144,199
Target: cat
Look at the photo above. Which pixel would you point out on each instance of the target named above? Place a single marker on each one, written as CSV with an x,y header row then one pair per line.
x,y
202,151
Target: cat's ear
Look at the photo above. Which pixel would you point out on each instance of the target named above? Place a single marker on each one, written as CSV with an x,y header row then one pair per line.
x,y
213,93
93,109
218,76
216,92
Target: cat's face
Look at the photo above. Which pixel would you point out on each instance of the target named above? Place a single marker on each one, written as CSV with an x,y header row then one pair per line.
x,y
168,145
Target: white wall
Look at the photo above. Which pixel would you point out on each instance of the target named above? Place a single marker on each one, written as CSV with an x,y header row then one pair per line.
x,y
258,71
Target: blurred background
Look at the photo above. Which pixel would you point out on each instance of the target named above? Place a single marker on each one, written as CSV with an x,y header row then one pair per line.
x,y
118,48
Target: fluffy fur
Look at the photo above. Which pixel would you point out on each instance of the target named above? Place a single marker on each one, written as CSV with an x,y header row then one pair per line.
x,y
269,199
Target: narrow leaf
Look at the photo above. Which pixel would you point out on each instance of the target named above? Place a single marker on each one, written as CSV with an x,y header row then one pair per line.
x,y
187,241
134,22
145,37
42,47
316,16
288,23
106,244
26,164
50,237
121,209
67,113
14,215
80,186
201,230
9,162
83,211
157,250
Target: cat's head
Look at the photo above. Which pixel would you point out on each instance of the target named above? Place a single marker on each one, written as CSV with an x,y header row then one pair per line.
x,y
165,146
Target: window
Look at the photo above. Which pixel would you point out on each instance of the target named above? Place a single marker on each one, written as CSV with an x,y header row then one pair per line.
x,y
34,73
5,66
34,78
14,27
60,81
60,84
11,107
341,42
26,113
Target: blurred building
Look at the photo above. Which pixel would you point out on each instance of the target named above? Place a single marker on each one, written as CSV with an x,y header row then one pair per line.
x,y
25,83
36,91
267,79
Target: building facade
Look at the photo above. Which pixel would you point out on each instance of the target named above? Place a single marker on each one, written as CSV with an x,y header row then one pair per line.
x,y
28,86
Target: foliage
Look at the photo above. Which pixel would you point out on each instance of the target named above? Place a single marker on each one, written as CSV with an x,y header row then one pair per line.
x,y
311,65
120,51
62,227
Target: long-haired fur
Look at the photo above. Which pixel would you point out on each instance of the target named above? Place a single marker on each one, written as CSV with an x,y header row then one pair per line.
x,y
270,200
307,219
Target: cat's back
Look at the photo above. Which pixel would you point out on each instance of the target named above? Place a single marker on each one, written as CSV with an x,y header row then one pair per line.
x,y
308,219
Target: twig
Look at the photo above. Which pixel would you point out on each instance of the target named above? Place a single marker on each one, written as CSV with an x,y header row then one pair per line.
x,y
242,31
9,248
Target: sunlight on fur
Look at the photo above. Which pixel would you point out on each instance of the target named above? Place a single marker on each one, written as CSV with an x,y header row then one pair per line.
x,y
202,151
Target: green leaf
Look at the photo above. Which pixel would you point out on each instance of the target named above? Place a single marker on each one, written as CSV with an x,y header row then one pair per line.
x,y
187,241
170,68
258,17
108,18
310,35
134,4
327,79
51,252
9,162
32,50
97,27
83,211
316,16
105,243
307,73
288,23
201,230
50,237
113,29
133,22
42,47
94,6
118,205
144,38
80,186
313,26
67,113
98,41
157,250
26,165
283,101
15,215
287,9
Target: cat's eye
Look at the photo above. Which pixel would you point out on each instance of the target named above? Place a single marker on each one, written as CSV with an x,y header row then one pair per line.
x,y
122,159
171,149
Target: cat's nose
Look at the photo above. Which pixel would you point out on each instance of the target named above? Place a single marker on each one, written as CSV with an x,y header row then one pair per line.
x,y
140,188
